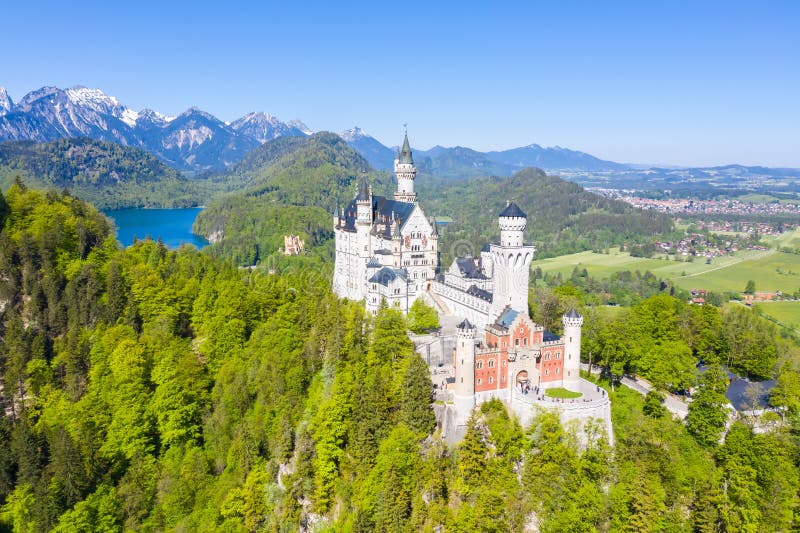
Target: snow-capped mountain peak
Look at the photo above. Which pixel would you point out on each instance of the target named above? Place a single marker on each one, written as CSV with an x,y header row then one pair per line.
x,y
6,104
300,125
264,127
353,134
96,100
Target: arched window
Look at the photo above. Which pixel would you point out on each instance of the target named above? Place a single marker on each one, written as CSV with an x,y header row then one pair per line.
x,y
516,342
525,341
479,381
558,355
480,364
557,370
491,380
547,372
491,363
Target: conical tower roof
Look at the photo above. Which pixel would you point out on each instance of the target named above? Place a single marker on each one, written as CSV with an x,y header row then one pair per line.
x,y
405,152
363,190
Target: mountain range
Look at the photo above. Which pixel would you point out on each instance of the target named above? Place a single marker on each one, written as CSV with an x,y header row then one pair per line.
x,y
196,142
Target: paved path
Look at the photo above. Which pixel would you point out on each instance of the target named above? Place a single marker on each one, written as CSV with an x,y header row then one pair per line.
x,y
673,403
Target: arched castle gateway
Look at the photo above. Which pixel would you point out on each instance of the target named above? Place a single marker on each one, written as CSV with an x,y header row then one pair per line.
x,y
387,250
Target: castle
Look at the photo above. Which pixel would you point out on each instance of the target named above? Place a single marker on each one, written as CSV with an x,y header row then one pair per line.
x,y
387,251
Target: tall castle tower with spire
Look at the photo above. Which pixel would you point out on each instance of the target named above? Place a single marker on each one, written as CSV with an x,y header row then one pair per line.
x,y
406,173
386,249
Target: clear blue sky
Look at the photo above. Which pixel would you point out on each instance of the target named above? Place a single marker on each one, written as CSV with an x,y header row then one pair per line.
x,y
669,82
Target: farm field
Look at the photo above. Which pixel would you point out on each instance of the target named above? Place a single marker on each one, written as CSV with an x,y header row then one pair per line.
x,y
787,313
770,270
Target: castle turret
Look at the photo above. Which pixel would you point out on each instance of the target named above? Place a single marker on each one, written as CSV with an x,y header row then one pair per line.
x,y
511,261
572,346
364,203
464,371
512,224
406,173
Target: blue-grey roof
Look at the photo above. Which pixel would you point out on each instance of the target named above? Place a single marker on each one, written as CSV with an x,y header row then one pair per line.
x,y
382,208
740,397
572,313
386,275
363,190
465,324
374,263
512,210
480,293
405,152
549,336
468,268
737,391
506,317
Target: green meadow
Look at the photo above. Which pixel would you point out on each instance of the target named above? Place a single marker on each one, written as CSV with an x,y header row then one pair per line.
x,y
787,313
771,270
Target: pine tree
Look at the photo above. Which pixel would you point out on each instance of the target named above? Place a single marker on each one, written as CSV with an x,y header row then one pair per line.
x,y
415,396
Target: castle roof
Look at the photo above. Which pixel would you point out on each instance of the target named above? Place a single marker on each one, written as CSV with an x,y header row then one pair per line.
x,y
382,208
513,210
465,324
386,275
572,313
363,190
480,293
507,317
549,336
469,269
405,152
374,263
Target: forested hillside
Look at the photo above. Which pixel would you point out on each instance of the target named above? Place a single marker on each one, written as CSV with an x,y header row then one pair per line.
x,y
148,389
562,217
108,175
288,185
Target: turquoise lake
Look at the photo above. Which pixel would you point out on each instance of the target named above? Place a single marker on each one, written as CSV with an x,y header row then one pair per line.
x,y
173,226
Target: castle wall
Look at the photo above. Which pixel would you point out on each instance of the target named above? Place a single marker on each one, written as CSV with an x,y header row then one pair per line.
x,y
462,304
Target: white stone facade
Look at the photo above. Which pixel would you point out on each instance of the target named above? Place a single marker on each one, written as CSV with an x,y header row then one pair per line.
x,y
386,249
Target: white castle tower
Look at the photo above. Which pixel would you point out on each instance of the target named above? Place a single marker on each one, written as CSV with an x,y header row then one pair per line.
x,y
406,173
511,261
464,371
572,346
363,225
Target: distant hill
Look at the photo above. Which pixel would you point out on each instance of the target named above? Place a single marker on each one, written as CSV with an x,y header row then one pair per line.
x,y
458,163
718,181
103,173
562,216
287,185
554,158
464,163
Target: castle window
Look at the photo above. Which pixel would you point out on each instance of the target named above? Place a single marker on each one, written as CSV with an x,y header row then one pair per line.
x,y
547,372
516,342
480,364
558,355
462,380
557,369
547,357
480,381
491,363
491,379
525,341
